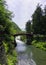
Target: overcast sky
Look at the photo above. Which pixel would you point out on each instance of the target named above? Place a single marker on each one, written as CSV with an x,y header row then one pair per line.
x,y
23,10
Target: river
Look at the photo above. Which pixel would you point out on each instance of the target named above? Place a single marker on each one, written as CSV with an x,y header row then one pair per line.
x,y
29,55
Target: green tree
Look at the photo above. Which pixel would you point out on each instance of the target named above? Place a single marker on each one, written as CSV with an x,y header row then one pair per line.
x,y
28,30
45,10
5,29
43,22
37,20
28,27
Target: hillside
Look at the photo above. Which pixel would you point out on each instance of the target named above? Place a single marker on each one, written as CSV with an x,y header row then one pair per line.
x,y
16,27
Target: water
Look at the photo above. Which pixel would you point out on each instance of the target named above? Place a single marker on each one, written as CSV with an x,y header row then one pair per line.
x,y
29,55
21,47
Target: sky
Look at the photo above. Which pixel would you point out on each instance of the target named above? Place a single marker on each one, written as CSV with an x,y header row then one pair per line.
x,y
23,10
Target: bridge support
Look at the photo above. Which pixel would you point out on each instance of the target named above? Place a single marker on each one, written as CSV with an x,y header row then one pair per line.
x,y
15,44
29,39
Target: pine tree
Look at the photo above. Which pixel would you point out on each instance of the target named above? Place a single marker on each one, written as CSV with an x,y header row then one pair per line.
x,y
36,19
28,30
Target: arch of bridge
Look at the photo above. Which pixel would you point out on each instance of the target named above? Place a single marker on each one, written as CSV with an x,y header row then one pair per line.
x,y
18,34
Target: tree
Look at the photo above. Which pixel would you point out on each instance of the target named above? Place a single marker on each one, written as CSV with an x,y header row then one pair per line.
x,y
37,20
5,29
44,21
28,30
45,10
28,27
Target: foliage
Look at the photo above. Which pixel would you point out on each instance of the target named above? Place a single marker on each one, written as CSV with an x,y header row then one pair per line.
x,y
12,58
28,26
28,30
39,37
7,29
39,27
10,54
18,30
39,20
41,45
36,19
23,38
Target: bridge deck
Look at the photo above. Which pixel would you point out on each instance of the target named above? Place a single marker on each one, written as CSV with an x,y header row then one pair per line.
x,y
17,34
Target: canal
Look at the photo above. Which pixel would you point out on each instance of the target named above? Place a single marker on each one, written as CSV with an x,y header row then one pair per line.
x,y
29,55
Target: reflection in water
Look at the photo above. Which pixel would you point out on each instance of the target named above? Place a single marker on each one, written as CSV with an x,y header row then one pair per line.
x,y
24,57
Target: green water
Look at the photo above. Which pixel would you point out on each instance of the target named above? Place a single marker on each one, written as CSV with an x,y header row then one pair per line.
x,y
38,55
28,52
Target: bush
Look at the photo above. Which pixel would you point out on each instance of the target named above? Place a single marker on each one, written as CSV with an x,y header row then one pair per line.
x,y
10,53
44,45
12,58
41,45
